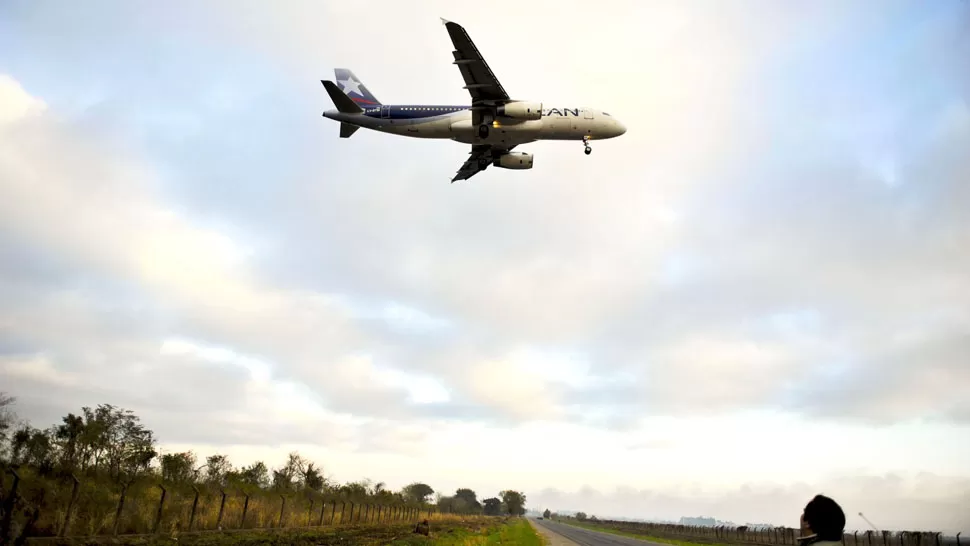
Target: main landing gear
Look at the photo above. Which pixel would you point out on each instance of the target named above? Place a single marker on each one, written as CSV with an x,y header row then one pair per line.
x,y
586,143
483,131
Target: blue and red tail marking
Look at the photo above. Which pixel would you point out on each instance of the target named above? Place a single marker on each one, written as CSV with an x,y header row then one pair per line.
x,y
354,88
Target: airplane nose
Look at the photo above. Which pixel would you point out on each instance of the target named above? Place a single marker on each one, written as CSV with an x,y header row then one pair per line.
x,y
620,128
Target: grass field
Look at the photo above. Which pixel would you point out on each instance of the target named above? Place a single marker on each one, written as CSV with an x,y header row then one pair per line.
x,y
456,531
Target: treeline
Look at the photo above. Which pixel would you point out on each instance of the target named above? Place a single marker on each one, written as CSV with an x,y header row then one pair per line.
x,y
111,447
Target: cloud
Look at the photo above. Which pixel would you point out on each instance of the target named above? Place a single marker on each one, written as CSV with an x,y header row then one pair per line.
x,y
781,232
15,102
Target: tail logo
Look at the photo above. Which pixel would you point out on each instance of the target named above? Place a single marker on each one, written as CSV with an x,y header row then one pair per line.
x,y
351,86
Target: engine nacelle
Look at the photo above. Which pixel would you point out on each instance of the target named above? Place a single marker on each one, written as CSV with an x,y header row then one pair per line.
x,y
529,111
514,160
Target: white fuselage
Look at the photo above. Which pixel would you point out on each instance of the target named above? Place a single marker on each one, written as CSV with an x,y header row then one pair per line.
x,y
455,123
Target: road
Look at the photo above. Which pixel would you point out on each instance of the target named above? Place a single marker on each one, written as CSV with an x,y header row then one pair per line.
x,y
585,537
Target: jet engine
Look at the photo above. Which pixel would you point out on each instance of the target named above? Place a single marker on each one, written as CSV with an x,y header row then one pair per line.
x,y
529,111
514,160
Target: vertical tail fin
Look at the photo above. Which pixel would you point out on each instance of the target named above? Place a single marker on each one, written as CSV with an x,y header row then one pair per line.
x,y
341,100
354,88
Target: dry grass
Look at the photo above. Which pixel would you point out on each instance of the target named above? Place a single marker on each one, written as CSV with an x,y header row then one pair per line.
x,y
94,513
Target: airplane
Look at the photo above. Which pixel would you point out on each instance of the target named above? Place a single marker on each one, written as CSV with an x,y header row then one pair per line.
x,y
493,123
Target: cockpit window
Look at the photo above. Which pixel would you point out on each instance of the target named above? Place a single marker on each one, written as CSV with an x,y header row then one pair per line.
x,y
605,114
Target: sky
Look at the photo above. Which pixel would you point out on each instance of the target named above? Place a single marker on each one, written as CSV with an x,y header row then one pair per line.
x,y
760,292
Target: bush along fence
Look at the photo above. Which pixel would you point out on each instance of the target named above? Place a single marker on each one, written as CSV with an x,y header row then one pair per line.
x,y
73,508
774,536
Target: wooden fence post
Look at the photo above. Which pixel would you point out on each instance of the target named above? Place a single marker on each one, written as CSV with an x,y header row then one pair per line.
x,y
161,506
242,521
282,506
323,508
75,490
195,507
309,512
121,506
9,506
222,510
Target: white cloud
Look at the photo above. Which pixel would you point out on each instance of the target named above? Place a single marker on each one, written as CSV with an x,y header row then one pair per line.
x,y
772,253
16,103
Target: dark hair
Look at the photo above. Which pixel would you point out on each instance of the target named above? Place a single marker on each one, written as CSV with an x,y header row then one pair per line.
x,y
825,517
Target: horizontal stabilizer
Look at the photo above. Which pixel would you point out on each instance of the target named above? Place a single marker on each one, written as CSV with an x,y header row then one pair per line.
x,y
347,129
340,99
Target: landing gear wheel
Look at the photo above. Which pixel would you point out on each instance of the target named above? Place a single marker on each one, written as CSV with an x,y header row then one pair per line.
x,y
586,143
589,150
483,131
483,163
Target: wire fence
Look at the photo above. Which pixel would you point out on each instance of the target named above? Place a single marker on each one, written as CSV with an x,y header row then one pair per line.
x,y
39,509
775,536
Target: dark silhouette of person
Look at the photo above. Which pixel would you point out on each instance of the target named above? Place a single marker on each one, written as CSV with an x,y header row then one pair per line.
x,y
822,522
423,528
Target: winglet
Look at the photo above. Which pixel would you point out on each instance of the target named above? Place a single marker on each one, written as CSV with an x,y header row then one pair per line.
x,y
340,99
444,21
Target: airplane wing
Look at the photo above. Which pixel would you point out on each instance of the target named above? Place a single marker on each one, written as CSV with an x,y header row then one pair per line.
x,y
479,159
480,82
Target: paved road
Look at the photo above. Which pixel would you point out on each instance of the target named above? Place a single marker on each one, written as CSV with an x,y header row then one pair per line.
x,y
585,537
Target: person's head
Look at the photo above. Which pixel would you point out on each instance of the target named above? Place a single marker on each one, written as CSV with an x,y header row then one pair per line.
x,y
824,518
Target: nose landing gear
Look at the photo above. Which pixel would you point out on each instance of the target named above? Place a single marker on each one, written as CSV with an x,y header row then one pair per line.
x,y
586,143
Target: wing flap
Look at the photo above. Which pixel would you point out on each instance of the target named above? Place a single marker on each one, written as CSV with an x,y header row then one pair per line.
x,y
480,157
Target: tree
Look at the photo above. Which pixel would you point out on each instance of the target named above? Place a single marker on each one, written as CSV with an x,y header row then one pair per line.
x,y
417,492
254,475
298,473
493,506
217,469
7,419
355,490
114,440
313,479
285,478
547,514
514,502
69,436
178,467
34,447
581,516
470,499
106,446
